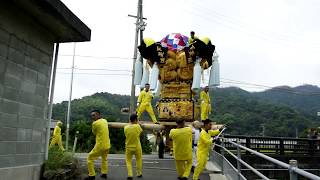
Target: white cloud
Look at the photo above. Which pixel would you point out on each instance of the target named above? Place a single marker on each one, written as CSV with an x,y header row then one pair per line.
x,y
269,42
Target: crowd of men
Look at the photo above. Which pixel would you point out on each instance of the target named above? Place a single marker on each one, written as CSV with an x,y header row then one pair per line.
x,y
191,145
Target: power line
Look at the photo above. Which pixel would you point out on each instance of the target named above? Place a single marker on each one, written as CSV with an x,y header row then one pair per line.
x,y
101,58
96,74
243,29
266,87
283,89
97,69
245,25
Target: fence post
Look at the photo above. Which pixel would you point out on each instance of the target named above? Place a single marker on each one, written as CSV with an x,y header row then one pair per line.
x,y
293,164
239,157
248,144
281,147
311,146
75,142
222,153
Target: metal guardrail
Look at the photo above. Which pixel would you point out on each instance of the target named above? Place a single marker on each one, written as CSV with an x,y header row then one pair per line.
x,y
224,164
277,145
294,171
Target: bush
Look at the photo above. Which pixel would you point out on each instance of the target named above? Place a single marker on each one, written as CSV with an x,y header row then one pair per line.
x,y
61,165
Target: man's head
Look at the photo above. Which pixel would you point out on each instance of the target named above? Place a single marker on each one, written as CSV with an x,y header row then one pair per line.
x,y
206,89
147,87
59,123
207,124
95,114
180,123
192,34
196,124
133,118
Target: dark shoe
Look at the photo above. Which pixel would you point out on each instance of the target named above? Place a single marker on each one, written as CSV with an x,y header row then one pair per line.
x,y
157,123
184,178
180,178
140,176
130,178
105,176
90,178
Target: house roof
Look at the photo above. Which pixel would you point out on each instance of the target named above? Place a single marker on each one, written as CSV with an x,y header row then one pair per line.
x,y
57,18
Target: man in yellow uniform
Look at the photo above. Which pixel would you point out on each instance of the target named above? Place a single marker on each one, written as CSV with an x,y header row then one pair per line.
x,y
133,145
56,138
101,148
205,106
144,103
182,149
192,37
204,144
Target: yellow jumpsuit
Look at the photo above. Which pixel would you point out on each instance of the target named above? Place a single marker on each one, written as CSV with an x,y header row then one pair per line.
x,y
182,150
56,138
101,148
205,105
190,40
144,101
204,144
133,147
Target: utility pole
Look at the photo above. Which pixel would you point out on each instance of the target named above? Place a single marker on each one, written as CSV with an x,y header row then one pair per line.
x,y
70,95
140,26
52,83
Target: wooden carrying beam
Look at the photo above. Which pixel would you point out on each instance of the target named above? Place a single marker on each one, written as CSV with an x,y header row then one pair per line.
x,y
151,126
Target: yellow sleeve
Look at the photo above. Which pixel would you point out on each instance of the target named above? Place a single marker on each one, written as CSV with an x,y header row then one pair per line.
x,y
204,139
94,128
57,131
140,97
171,134
139,129
125,130
201,96
214,132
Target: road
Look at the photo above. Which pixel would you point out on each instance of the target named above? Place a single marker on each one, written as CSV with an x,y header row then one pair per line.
x,y
153,168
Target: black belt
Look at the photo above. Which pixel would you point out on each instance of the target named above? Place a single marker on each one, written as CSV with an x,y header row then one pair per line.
x,y
194,144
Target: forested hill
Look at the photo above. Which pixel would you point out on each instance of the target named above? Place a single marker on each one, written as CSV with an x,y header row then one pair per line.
x,y
108,104
304,98
245,113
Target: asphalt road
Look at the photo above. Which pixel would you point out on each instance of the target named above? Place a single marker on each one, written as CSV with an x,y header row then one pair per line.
x,y
153,168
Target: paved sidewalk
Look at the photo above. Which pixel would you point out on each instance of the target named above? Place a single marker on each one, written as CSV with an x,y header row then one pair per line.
x,y
153,167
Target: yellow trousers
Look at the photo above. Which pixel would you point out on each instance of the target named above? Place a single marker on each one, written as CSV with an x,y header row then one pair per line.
x,y
183,167
205,109
202,161
146,107
138,154
56,140
94,154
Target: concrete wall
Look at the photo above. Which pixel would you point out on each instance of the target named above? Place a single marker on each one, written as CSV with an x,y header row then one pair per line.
x,y
25,63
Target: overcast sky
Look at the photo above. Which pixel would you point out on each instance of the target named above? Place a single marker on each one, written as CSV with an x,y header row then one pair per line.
x,y
265,42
